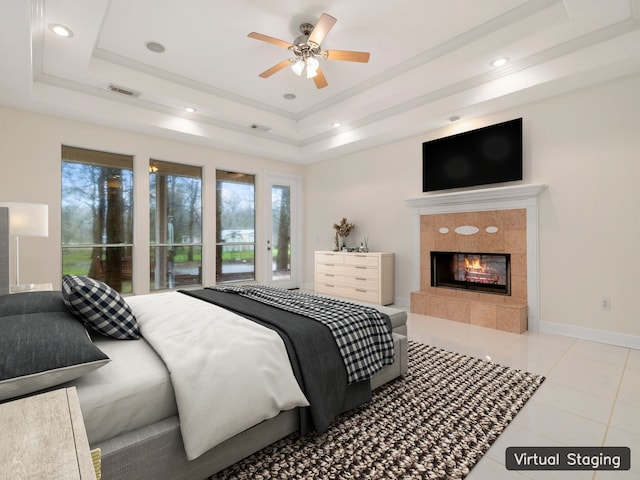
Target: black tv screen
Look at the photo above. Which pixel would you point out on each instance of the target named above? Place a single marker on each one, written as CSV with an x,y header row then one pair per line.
x,y
483,156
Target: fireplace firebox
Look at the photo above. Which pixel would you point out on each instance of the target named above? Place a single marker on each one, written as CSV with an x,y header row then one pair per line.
x,y
481,272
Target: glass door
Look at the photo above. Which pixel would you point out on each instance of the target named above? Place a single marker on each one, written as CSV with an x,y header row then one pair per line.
x,y
282,231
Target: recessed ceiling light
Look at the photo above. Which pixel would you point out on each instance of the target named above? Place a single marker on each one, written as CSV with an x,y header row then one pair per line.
x,y
498,62
189,109
61,30
155,47
289,96
336,124
455,118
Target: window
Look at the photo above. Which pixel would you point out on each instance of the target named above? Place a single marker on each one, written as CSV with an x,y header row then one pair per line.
x,y
97,216
281,232
235,226
176,224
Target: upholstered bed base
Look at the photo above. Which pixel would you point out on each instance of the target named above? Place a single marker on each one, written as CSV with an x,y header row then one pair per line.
x,y
156,451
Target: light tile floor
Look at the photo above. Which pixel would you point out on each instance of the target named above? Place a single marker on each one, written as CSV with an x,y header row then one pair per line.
x,y
591,395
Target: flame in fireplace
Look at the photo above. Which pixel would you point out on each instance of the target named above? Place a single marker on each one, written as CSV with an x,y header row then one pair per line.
x,y
473,264
479,272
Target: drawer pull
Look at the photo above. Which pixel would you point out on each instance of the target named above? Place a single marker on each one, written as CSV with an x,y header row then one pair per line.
x,y
329,275
330,286
361,290
360,266
361,279
329,264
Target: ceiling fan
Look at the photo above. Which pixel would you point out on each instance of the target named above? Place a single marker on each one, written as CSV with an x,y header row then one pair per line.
x,y
307,47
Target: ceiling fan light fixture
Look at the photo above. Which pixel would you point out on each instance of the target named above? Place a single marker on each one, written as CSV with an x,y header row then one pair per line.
x,y
305,50
297,67
312,67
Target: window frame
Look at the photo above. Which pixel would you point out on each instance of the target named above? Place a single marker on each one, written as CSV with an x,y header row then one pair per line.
x,y
222,176
158,168
106,263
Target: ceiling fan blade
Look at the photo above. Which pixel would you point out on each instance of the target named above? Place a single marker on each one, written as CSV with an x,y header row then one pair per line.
x,y
325,23
275,69
320,80
268,39
347,56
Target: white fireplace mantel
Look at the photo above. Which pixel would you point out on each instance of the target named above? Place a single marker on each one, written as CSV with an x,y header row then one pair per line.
x,y
499,198
518,196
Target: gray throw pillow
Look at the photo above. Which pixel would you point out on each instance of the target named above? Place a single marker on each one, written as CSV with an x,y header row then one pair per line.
x,y
42,350
31,302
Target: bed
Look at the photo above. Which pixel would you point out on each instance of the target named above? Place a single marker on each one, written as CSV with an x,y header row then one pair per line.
x,y
152,387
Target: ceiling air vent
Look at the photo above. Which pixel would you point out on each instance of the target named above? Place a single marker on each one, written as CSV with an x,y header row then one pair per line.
x,y
260,128
123,90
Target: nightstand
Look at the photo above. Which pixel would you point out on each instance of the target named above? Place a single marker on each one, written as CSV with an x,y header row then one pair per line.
x,y
43,436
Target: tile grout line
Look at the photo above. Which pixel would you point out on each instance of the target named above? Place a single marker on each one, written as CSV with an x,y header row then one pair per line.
x,y
615,399
613,406
555,364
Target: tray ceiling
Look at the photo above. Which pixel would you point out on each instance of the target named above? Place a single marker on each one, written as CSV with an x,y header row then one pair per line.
x,y
430,61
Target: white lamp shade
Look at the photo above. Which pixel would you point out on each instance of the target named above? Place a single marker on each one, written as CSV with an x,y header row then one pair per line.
x,y
28,219
312,67
297,67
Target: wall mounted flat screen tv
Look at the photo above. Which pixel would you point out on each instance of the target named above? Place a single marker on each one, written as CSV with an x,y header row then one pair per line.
x,y
483,156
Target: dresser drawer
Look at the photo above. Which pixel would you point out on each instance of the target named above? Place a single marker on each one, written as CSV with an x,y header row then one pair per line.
x,y
364,295
361,260
370,283
329,258
331,268
361,294
347,271
329,288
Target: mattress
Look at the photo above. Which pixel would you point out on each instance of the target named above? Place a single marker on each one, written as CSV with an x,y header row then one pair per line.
x,y
141,395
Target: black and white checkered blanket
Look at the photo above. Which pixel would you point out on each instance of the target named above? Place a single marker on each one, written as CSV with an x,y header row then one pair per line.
x,y
360,332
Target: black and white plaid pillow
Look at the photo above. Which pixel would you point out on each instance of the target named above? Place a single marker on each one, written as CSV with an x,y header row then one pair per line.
x,y
100,307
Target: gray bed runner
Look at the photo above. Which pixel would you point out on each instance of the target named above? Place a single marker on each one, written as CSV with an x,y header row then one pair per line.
x,y
314,354
363,337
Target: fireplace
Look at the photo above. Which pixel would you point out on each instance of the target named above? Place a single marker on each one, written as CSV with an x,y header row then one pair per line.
x,y
498,221
479,272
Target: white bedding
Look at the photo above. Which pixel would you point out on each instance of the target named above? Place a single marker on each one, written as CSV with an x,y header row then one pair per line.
x,y
131,391
228,373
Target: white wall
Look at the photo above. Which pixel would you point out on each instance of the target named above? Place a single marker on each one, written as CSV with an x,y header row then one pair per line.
x,y
30,172
584,145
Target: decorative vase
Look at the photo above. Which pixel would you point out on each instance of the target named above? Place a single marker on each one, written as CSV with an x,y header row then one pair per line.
x,y
336,243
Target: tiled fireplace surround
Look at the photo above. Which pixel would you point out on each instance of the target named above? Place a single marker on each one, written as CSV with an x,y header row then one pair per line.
x,y
493,220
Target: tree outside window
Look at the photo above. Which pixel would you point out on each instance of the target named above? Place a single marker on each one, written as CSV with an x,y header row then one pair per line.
x,y
97,216
235,226
176,225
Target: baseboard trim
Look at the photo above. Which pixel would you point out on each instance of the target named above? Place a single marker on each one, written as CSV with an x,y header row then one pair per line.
x,y
592,334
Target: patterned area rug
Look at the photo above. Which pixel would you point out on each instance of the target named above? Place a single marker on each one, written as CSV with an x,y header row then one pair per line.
x,y
434,423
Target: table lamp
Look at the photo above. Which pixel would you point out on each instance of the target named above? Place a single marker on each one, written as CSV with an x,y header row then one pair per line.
x,y
26,220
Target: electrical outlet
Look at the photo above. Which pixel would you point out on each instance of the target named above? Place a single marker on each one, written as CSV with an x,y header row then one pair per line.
x,y
605,304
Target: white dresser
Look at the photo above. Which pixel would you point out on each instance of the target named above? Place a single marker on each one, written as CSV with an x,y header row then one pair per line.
x,y
367,277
